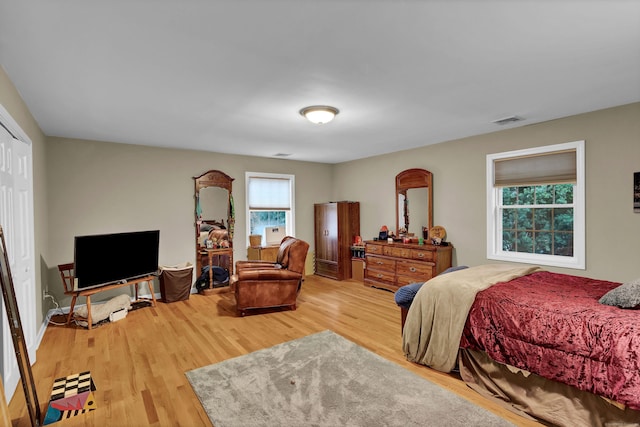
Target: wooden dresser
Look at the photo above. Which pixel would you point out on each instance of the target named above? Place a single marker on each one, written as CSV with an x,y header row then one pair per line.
x,y
392,265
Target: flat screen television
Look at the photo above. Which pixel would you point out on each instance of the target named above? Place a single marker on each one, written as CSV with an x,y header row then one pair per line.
x,y
104,259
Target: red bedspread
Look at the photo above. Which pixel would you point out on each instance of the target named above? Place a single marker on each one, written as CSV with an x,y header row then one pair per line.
x,y
552,325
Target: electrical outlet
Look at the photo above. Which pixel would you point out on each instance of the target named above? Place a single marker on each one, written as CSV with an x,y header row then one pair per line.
x,y
46,295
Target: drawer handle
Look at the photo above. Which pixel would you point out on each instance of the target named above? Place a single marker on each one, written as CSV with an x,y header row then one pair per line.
x,y
412,269
379,276
379,262
420,255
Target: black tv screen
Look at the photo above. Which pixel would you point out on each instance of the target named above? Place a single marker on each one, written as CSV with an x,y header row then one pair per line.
x,y
103,259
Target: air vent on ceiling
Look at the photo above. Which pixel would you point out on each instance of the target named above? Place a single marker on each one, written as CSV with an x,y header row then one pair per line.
x,y
281,155
507,120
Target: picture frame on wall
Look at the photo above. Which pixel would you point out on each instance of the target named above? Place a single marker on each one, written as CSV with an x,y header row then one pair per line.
x,y
636,192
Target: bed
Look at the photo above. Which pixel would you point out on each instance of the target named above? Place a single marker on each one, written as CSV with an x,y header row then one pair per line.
x,y
538,341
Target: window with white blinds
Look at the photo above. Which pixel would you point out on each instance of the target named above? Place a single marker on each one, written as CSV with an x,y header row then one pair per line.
x,y
269,193
556,167
270,203
535,205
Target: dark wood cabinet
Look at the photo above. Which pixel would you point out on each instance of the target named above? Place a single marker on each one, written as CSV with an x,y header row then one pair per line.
x,y
336,226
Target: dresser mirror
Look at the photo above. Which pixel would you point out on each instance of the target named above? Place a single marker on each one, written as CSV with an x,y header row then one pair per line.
x,y
414,202
215,221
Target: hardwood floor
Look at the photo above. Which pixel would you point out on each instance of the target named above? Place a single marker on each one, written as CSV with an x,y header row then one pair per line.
x,y
138,363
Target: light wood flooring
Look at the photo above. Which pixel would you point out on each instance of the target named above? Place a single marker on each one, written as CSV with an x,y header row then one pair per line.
x,y
138,363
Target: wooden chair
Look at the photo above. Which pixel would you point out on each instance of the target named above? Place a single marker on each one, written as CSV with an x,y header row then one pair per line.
x,y
67,275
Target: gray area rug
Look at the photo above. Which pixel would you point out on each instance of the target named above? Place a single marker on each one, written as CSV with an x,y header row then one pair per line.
x,y
326,380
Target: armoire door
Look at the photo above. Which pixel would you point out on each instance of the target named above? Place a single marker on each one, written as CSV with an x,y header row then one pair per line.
x,y
326,233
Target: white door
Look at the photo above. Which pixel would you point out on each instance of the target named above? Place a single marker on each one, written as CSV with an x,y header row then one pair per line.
x,y
16,219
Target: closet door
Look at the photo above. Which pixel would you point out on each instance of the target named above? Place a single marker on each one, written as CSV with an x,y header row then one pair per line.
x,y
348,226
16,219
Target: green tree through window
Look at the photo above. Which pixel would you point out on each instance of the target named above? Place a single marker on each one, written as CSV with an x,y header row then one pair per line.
x,y
259,220
538,219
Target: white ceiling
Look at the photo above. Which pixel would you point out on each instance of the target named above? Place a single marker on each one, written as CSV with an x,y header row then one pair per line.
x,y
231,75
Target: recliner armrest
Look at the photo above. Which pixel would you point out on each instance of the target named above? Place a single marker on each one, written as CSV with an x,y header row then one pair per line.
x,y
241,265
266,274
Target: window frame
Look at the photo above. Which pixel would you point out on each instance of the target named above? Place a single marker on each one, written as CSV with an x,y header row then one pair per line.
x,y
494,214
290,216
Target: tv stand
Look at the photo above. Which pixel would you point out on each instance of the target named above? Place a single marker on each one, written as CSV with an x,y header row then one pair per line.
x,y
67,275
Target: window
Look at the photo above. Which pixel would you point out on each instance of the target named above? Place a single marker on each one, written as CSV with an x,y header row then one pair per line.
x,y
269,203
536,206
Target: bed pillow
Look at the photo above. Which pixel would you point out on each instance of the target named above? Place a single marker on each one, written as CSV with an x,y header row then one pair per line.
x,y
626,295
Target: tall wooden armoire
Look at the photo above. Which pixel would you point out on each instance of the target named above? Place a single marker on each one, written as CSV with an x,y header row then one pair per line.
x,y
336,226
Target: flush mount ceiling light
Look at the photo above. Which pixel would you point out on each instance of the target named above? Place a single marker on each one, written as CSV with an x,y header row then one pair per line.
x,y
319,114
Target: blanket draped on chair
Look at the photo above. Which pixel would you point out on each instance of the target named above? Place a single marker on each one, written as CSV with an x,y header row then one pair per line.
x,y
436,319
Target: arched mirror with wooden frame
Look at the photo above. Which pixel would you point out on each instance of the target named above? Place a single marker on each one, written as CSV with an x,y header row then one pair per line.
x,y
414,202
214,226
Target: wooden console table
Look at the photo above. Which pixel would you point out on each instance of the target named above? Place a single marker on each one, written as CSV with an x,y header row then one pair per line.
x,y
218,252
67,275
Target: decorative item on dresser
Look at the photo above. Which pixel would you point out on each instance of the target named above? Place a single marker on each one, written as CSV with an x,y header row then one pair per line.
x,y
392,265
336,226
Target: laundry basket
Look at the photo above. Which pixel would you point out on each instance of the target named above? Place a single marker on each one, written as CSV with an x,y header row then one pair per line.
x,y
175,282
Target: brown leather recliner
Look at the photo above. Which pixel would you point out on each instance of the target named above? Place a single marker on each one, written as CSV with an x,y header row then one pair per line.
x,y
261,284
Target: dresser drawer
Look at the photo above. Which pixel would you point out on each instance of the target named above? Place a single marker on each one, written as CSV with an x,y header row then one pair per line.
x,y
407,280
380,276
380,263
419,270
397,252
423,255
373,249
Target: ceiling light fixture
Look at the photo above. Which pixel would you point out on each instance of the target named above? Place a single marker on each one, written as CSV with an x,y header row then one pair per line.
x,y
319,114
